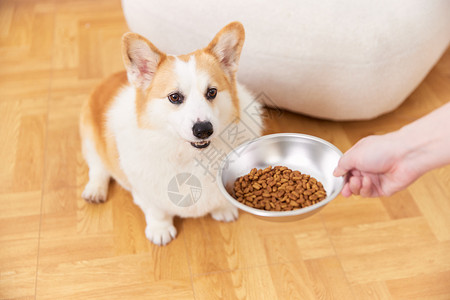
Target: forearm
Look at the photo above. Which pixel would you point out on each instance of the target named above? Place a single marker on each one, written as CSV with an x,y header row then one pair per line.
x,y
426,142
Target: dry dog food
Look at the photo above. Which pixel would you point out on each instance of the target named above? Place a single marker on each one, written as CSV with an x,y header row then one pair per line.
x,y
278,189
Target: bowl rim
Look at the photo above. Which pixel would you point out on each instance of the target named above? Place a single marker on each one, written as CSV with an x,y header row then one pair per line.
x,y
276,214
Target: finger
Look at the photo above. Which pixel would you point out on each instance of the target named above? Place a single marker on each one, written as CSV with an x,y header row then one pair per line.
x,y
356,173
339,171
344,165
346,192
355,185
366,188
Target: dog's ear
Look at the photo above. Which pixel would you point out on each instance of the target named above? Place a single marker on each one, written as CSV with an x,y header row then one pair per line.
x,y
227,46
141,59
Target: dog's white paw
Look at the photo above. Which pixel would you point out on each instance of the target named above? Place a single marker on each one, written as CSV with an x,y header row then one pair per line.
x,y
160,235
95,192
228,214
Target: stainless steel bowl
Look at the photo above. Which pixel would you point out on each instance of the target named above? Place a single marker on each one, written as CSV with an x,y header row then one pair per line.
x,y
305,153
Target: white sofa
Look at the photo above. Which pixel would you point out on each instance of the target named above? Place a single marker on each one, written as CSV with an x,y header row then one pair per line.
x,y
340,60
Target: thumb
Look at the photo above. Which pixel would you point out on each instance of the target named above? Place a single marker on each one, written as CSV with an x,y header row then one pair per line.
x,y
344,165
340,171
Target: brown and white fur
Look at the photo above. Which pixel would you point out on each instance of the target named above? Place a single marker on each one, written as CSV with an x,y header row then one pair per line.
x,y
133,132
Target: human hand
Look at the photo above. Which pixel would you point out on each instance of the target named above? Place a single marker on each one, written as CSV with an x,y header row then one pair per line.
x,y
377,166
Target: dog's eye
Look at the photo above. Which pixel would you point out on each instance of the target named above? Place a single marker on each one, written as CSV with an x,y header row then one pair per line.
x,y
211,93
176,98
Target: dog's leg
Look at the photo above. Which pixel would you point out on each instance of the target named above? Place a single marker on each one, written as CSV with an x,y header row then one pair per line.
x,y
225,213
160,230
96,191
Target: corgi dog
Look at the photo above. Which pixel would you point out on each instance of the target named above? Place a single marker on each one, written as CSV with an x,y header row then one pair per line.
x,y
146,126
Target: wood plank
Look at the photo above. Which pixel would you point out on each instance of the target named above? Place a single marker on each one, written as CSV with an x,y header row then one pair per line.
x,y
423,286
396,263
18,259
95,275
401,205
373,290
249,283
432,199
329,278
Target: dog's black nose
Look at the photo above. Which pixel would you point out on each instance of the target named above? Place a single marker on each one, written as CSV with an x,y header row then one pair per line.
x,y
202,130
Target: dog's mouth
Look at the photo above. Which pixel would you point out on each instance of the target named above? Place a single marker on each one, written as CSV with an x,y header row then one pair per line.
x,y
201,144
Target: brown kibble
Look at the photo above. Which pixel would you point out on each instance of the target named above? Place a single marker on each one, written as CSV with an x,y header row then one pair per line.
x,y
301,199
256,186
308,192
278,188
267,169
294,204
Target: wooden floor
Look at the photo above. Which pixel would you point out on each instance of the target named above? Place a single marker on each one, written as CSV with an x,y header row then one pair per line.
x,y
53,245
